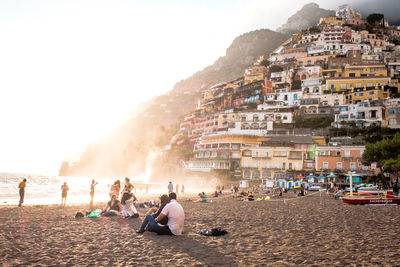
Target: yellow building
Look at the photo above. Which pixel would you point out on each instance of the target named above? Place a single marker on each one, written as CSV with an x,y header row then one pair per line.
x,y
226,119
255,73
343,84
363,94
365,70
305,60
277,157
332,21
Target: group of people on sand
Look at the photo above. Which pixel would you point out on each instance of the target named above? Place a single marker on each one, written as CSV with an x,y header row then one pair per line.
x,y
166,219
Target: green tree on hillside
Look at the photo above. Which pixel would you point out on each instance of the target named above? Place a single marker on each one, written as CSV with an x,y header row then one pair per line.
x,y
386,153
375,18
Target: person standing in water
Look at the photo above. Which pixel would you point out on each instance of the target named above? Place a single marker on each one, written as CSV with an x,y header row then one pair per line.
x,y
21,187
92,193
170,187
64,192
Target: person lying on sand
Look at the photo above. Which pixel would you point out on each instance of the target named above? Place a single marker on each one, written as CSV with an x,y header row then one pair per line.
x,y
112,208
154,212
128,209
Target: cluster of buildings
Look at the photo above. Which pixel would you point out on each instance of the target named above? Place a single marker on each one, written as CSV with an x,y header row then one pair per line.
x,y
337,69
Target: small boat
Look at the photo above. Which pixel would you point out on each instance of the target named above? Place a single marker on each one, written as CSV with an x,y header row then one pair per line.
x,y
381,199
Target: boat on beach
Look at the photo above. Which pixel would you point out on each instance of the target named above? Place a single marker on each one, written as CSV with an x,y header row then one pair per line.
x,y
381,199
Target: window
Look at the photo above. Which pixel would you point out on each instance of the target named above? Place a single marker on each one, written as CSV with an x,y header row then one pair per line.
x,y
322,153
256,154
352,75
361,94
277,165
332,86
352,166
326,165
283,154
371,93
295,96
267,164
369,84
284,165
355,94
343,86
308,62
347,153
255,164
246,164
358,85
392,111
392,121
290,165
339,165
267,154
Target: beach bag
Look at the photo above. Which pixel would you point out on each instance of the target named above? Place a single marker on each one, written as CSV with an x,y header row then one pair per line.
x,y
79,215
95,214
214,232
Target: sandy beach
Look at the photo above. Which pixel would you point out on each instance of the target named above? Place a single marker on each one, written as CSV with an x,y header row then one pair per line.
x,y
309,231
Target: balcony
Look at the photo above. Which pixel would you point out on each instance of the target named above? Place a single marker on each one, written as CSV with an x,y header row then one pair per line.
x,y
347,158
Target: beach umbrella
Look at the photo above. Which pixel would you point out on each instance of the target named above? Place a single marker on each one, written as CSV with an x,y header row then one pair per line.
x,y
331,176
300,177
321,176
311,176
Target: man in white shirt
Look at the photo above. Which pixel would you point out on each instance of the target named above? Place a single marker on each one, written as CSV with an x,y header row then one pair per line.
x,y
176,216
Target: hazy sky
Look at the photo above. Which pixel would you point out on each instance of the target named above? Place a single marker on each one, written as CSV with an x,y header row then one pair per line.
x,y
70,71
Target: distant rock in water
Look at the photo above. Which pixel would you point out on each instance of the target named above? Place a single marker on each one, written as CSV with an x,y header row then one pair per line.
x,y
306,17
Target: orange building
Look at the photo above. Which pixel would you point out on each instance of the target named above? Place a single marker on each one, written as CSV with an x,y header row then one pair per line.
x,y
340,159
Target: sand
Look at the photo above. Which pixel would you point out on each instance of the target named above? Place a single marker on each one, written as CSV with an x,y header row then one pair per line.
x,y
309,231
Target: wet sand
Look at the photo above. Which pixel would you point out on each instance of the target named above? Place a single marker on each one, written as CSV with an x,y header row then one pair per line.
x,y
309,231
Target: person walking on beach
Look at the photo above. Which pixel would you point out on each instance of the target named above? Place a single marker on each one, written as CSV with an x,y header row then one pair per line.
x,y
92,193
177,189
170,187
21,187
183,189
64,192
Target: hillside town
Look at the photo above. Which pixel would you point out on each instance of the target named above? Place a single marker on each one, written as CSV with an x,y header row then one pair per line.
x,y
291,112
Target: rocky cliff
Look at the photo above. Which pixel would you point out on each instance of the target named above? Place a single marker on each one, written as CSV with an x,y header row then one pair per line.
x,y
306,17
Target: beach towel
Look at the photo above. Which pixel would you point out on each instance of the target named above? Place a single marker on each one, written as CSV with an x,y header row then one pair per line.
x,y
214,232
95,214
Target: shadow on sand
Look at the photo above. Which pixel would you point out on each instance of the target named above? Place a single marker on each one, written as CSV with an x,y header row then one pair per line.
x,y
184,244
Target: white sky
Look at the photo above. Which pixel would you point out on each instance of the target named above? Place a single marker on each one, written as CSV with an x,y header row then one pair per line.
x,y
70,71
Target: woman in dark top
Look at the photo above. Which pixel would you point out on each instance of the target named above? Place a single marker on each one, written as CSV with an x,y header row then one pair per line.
x,y
113,207
164,201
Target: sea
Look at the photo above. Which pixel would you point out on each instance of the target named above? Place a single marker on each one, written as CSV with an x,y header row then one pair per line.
x,y
44,190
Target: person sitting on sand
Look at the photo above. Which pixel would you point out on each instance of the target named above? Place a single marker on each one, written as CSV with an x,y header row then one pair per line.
x,y
203,197
216,194
176,218
128,209
64,193
154,212
112,208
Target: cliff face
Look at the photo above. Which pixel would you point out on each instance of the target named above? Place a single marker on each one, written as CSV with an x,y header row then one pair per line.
x,y
306,17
